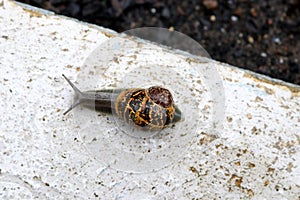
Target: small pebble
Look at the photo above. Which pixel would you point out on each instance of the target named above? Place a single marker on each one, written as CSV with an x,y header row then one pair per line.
x,y
281,60
276,40
210,4
253,12
263,54
250,39
234,18
270,21
153,10
239,12
171,28
212,18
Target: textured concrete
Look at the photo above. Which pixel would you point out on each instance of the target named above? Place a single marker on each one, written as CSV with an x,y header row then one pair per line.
x,y
253,154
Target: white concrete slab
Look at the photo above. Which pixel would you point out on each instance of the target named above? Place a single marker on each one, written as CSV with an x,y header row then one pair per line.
x,y
254,154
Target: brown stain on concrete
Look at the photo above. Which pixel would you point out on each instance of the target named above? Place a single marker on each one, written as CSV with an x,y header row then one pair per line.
x,y
294,89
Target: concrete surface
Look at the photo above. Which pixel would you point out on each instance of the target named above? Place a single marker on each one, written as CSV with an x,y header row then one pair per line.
x,y
253,154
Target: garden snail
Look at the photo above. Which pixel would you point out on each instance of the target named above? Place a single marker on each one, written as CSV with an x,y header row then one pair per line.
x,y
152,108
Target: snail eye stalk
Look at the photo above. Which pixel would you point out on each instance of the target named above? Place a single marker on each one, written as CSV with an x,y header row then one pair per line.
x,y
78,96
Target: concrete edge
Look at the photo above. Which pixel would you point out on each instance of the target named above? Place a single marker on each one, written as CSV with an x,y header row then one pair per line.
x,y
256,77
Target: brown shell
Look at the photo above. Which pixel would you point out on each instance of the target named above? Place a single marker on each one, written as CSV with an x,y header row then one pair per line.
x,y
151,108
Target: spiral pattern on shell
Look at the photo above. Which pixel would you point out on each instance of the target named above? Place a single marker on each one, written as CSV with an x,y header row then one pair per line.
x,y
152,108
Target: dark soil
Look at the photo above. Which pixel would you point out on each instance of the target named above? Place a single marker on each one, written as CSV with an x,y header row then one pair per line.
x,y
260,35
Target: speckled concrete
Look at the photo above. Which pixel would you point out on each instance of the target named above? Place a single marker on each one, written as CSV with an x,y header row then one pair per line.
x,y
253,154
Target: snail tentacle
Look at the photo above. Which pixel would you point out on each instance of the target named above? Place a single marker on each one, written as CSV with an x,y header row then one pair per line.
x,y
99,100
78,96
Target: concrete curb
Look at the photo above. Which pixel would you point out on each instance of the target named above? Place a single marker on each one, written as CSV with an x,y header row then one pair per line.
x,y
256,156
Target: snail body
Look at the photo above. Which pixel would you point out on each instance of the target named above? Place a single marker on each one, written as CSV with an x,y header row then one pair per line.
x,y
151,108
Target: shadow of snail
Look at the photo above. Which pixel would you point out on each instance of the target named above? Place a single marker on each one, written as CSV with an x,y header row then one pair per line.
x,y
152,108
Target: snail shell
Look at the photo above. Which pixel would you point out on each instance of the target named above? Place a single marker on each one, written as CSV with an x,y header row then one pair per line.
x,y
152,108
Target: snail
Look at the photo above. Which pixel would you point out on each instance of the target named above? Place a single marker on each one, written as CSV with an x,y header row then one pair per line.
x,y
151,108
